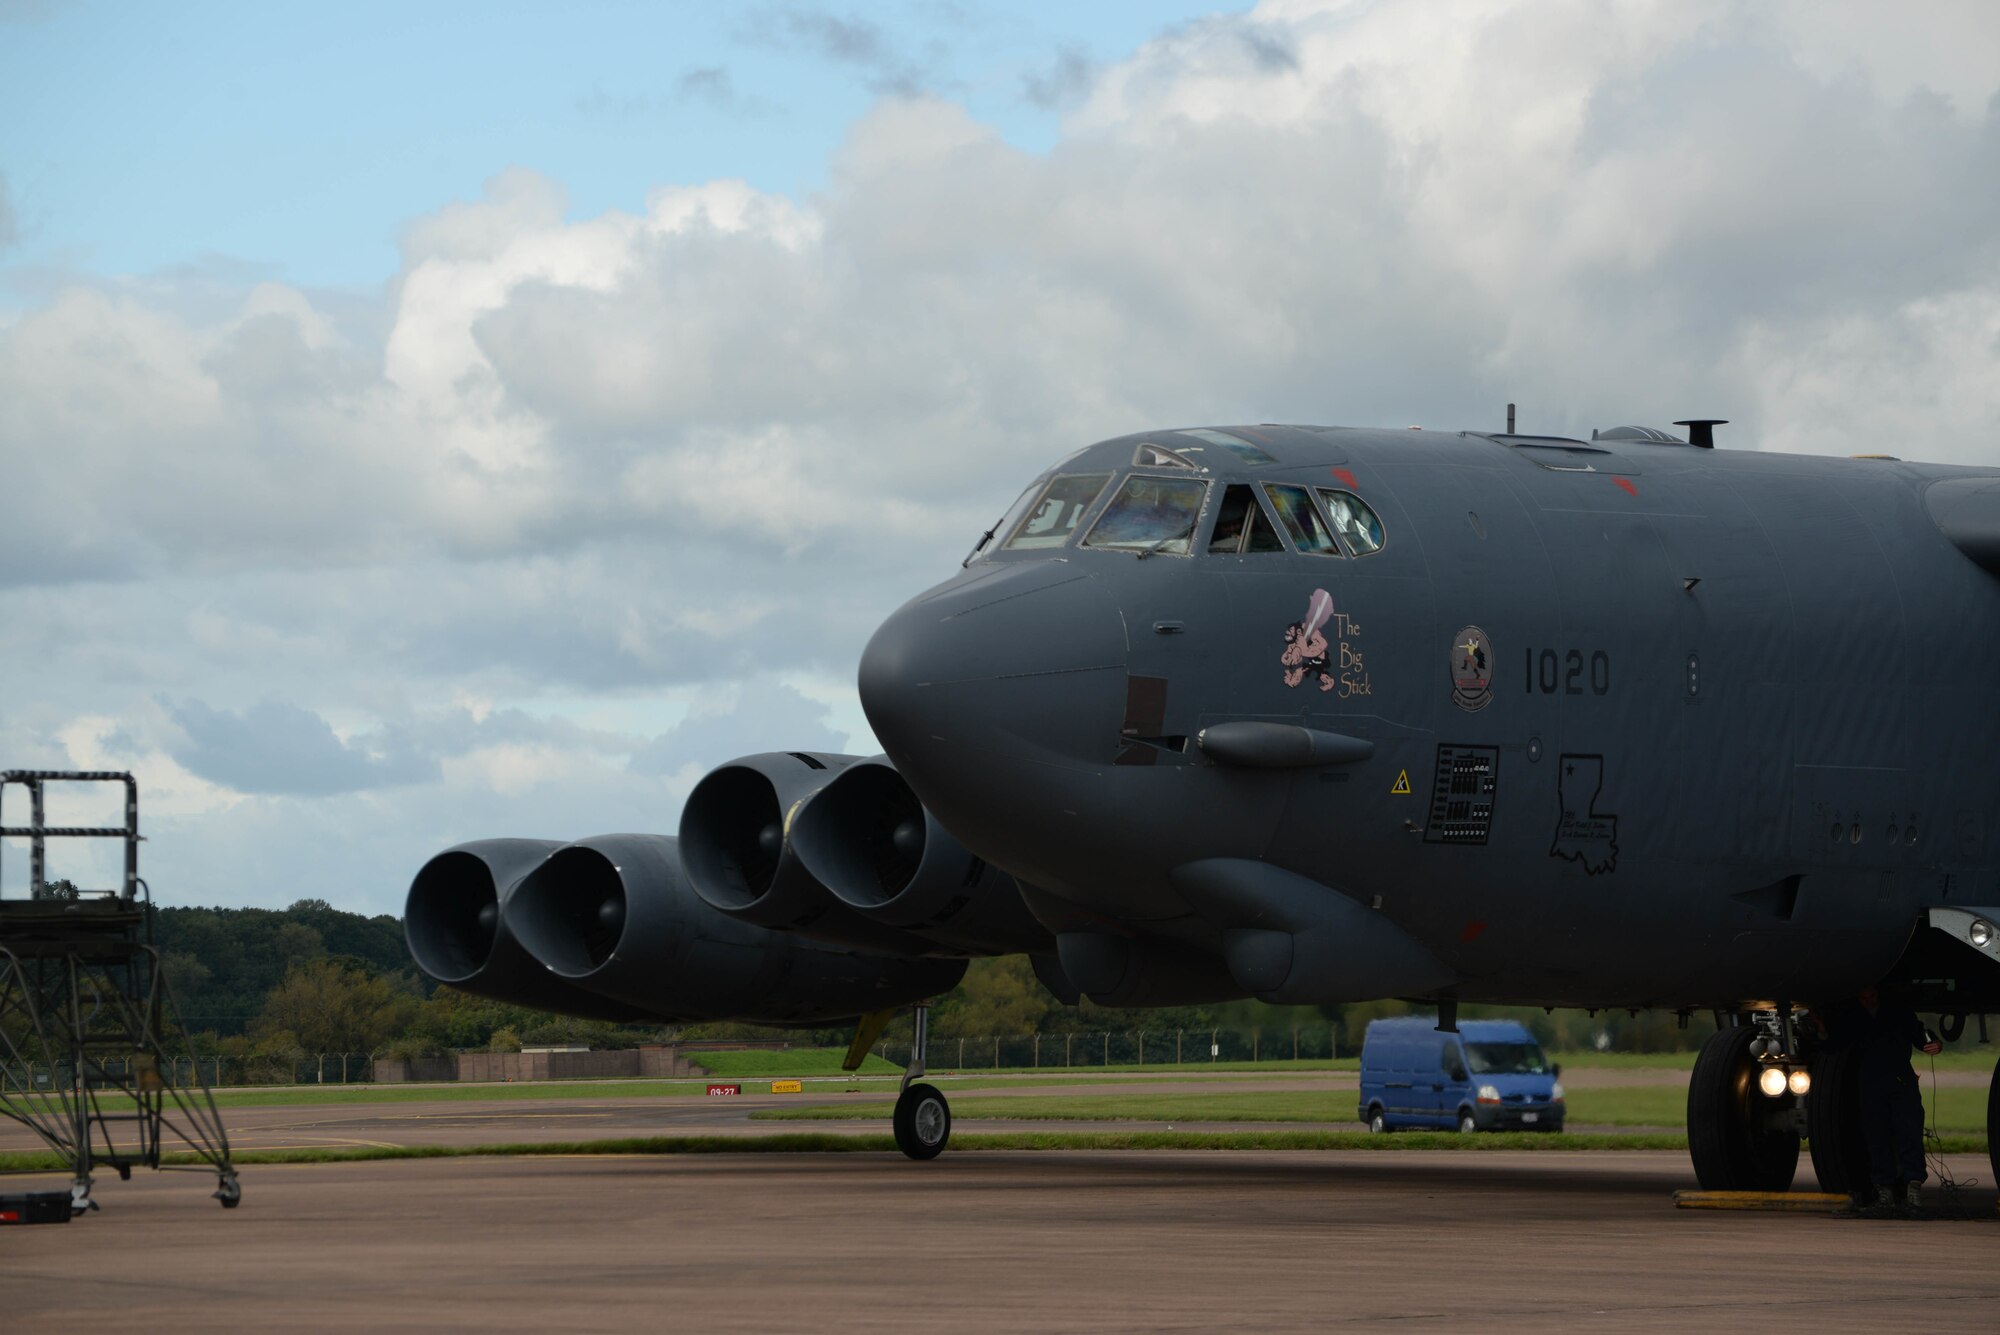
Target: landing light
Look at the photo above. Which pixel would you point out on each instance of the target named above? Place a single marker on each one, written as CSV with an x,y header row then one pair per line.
x,y
1800,1080
1981,933
1772,1081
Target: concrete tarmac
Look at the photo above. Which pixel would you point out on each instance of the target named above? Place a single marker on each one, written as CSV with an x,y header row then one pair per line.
x,y
1169,1241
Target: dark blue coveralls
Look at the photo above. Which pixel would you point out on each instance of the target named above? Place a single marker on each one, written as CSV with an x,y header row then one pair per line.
x,y
1892,1107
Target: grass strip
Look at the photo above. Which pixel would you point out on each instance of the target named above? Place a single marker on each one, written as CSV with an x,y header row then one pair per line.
x,y
1956,1111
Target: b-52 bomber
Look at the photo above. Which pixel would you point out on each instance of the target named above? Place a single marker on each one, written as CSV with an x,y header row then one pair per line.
x,y
1321,714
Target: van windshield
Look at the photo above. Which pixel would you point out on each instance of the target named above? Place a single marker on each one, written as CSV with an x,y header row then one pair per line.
x,y
1506,1059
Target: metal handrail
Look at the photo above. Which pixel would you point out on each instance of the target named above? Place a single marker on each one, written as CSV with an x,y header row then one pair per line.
x,y
39,831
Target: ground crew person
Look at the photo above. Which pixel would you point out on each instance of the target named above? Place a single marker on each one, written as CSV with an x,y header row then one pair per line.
x,y
1881,1036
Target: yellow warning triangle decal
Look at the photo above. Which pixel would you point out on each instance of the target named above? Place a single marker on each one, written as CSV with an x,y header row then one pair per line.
x,y
1402,788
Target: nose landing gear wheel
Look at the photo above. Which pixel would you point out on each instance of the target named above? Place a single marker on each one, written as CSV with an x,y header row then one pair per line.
x,y
922,1121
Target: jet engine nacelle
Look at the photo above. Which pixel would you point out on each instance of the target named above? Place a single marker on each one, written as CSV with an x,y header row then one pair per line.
x,y
736,841
616,916
871,843
456,924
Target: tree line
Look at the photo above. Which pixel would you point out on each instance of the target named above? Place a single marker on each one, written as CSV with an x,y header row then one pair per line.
x,y
267,989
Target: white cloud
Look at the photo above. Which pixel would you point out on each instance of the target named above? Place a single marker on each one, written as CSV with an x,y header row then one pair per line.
x,y
655,455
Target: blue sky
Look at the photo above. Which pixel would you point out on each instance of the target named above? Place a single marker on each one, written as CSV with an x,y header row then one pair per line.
x,y
297,140
429,422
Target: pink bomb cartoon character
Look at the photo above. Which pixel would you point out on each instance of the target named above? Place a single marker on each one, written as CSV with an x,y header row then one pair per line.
x,y
1305,645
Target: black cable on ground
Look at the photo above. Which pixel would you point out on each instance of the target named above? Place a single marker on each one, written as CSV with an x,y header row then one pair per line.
x,y
1954,1190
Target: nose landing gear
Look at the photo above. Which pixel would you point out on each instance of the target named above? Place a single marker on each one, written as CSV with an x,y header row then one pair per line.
x,y
923,1118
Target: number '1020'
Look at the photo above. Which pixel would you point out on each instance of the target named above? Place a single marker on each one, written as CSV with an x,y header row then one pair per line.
x,y
1567,673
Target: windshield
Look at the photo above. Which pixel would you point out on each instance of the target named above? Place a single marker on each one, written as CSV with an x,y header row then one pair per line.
x,y
1057,511
1006,522
1506,1059
1150,514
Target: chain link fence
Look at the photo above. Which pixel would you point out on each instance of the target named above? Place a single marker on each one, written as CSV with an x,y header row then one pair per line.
x,y
1126,1047
329,1068
1140,1048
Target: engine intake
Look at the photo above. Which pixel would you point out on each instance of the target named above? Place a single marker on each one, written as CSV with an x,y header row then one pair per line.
x,y
457,922
871,843
740,858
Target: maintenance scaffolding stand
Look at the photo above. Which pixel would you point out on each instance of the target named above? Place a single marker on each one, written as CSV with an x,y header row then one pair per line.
x,y
93,1055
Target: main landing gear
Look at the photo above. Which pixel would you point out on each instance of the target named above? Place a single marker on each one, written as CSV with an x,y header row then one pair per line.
x,y
1741,1137
1833,1125
923,1118
1993,1122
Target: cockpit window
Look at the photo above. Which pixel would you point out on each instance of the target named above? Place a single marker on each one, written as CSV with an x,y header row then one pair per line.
x,y
1006,522
1242,526
1057,510
1150,455
1300,517
1353,520
1150,514
1236,445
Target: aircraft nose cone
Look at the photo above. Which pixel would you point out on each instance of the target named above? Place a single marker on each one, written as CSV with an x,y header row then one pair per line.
x,y
1030,657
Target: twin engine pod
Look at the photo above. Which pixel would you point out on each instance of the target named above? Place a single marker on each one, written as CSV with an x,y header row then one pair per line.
x,y
838,848
607,928
458,930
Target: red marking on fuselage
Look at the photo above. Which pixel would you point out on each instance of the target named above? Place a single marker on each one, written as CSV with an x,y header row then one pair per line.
x,y
1472,930
1346,477
1624,484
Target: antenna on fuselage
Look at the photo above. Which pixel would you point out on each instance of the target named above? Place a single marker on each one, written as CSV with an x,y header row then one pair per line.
x,y
1510,419
1701,430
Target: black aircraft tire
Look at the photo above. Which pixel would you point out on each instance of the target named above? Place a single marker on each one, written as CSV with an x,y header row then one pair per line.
x,y
1993,1122
1833,1124
1736,1136
922,1122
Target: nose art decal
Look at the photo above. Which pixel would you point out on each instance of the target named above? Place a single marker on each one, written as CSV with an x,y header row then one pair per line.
x,y
1305,644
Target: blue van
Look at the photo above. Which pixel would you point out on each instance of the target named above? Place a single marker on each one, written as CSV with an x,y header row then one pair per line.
x,y
1489,1076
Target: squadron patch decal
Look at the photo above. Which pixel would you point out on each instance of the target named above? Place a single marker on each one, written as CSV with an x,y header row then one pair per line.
x,y
1583,833
1471,670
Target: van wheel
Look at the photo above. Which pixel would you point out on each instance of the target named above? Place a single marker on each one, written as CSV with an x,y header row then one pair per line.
x,y
1466,1124
1377,1124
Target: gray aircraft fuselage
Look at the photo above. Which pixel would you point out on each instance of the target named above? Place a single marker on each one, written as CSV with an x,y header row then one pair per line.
x,y
1618,723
